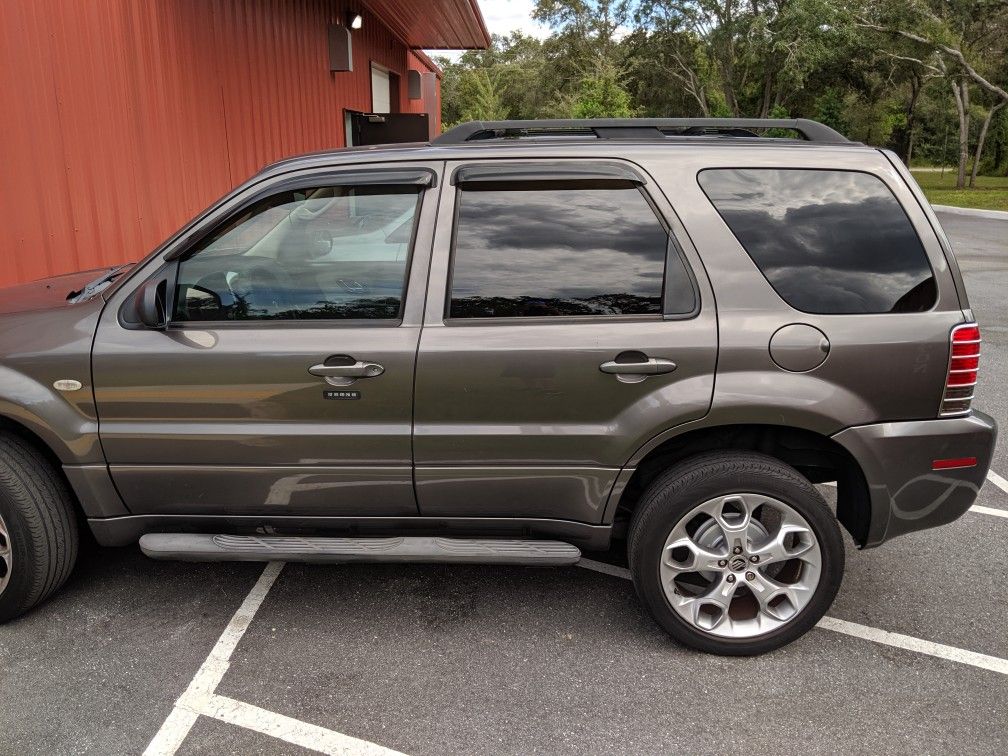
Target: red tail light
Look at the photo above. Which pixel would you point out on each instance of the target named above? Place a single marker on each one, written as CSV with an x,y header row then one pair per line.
x,y
964,359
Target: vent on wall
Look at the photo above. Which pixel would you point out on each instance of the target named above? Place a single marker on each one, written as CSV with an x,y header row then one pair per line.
x,y
414,85
340,49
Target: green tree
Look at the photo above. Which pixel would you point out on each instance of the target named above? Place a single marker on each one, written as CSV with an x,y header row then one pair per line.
x,y
756,56
964,40
482,95
904,74
602,96
517,76
830,109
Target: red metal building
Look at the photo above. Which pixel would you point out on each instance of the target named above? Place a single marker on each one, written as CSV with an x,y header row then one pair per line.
x,y
122,119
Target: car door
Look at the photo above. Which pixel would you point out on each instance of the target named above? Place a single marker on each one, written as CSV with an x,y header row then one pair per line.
x,y
282,384
564,328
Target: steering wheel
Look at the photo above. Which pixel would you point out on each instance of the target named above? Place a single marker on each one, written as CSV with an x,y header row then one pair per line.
x,y
263,286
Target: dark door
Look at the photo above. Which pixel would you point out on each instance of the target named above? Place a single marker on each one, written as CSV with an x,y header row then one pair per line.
x,y
387,128
283,384
563,330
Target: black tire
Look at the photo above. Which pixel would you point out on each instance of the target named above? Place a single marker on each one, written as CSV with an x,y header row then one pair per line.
x,y
38,510
677,491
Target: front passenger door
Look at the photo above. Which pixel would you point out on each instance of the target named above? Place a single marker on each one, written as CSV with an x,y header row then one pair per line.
x,y
282,384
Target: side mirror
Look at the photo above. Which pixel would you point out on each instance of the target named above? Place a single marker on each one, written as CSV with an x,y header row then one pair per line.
x,y
151,307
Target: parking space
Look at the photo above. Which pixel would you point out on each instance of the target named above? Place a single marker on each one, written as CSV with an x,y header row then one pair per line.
x,y
91,670
432,660
436,659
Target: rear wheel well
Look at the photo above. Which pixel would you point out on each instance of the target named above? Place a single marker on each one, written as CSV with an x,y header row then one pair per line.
x,y
817,457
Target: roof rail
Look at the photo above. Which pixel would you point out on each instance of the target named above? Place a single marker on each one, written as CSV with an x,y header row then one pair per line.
x,y
636,128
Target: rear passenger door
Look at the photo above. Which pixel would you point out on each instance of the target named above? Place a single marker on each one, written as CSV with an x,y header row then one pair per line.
x,y
564,328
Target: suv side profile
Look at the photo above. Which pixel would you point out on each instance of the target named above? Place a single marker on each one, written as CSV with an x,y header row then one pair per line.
x,y
520,341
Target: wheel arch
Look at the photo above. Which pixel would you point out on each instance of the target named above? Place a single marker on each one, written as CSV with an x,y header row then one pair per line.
x,y
26,433
816,456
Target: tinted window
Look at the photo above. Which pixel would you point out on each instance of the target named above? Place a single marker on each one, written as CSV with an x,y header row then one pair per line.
x,y
551,250
320,253
827,241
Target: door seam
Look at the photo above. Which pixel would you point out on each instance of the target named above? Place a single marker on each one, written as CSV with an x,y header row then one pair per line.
x,y
423,322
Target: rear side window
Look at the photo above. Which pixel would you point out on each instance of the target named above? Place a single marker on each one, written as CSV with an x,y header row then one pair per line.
x,y
829,242
551,249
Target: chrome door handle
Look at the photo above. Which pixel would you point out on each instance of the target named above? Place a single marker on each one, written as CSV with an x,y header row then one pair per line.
x,y
650,366
354,370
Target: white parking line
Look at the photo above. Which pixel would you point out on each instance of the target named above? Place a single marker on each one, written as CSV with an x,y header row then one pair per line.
x,y
606,569
994,511
200,698
997,480
983,661
287,729
211,672
908,642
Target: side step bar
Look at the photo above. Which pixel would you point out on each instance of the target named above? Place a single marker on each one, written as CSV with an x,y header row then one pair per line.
x,y
233,548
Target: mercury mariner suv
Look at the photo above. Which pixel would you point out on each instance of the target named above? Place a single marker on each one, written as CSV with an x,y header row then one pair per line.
x,y
521,341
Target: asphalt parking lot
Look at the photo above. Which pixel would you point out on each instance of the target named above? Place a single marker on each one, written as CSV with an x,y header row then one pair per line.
x,y
445,659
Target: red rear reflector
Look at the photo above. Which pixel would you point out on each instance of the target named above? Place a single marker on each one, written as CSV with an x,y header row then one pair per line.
x,y
949,464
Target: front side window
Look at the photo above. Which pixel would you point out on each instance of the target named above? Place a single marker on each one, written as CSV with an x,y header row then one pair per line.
x,y
829,242
327,252
549,249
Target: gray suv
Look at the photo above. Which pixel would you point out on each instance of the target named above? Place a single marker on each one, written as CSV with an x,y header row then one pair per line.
x,y
522,341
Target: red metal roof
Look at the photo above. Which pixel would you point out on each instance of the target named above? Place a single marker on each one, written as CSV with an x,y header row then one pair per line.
x,y
434,24
424,61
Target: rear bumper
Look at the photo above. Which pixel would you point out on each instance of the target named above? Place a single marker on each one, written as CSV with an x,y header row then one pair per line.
x,y
906,494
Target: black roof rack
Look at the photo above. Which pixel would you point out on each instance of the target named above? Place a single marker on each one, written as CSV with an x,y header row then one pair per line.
x,y
637,128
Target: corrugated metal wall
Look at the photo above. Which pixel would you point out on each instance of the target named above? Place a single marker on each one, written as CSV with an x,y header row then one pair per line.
x,y
121,119
430,103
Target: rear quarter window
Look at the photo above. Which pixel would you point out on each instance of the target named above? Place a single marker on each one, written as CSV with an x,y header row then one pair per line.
x,y
829,242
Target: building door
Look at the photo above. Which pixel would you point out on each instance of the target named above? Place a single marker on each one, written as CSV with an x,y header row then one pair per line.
x,y
381,91
386,128
283,382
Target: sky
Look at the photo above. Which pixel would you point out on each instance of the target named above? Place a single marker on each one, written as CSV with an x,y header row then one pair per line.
x,y
503,17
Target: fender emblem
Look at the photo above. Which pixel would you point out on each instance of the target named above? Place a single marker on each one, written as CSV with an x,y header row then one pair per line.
x,y
67,384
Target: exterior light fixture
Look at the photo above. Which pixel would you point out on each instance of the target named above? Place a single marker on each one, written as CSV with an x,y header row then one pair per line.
x,y
355,20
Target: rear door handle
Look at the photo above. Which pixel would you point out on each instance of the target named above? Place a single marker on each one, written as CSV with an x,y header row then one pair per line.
x,y
650,366
354,370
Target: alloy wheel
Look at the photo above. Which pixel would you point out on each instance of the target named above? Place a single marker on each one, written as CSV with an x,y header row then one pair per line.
x,y
6,555
740,565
